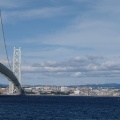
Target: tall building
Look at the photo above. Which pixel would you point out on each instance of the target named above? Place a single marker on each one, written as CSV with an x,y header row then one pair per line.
x,y
16,68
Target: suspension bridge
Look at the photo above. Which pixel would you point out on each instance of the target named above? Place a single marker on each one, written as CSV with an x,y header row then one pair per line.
x,y
5,66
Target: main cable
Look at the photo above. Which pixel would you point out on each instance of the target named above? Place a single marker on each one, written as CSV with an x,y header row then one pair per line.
x,y
4,40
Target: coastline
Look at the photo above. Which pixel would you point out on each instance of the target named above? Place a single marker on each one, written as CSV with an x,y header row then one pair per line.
x,y
55,96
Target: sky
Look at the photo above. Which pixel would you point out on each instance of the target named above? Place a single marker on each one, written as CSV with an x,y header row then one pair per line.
x,y
64,42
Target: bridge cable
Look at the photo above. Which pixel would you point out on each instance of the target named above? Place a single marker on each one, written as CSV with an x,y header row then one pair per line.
x,y
4,40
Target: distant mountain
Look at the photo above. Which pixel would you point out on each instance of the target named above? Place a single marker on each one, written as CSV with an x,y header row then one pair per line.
x,y
3,85
108,85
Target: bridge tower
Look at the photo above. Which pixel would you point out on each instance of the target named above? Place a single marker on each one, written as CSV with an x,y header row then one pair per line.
x,y
16,68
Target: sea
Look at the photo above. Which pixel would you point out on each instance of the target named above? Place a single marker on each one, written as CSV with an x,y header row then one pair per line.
x,y
59,108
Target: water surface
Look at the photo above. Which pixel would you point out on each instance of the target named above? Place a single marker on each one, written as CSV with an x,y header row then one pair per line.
x,y
59,108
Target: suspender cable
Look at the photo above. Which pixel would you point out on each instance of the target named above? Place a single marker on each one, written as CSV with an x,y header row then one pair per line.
x,y
4,39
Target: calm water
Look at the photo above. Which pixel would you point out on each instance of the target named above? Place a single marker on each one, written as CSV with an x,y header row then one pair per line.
x,y
59,108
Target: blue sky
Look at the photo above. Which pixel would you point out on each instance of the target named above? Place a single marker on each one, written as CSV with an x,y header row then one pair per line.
x,y
64,42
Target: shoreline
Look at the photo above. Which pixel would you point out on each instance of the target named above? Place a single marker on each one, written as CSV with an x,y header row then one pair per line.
x,y
53,96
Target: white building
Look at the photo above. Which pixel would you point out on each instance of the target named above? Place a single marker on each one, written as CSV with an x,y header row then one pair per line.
x,y
64,89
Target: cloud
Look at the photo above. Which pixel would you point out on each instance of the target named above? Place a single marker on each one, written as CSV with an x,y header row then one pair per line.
x,y
34,13
112,65
8,4
78,74
78,49
74,69
90,31
99,34
12,4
